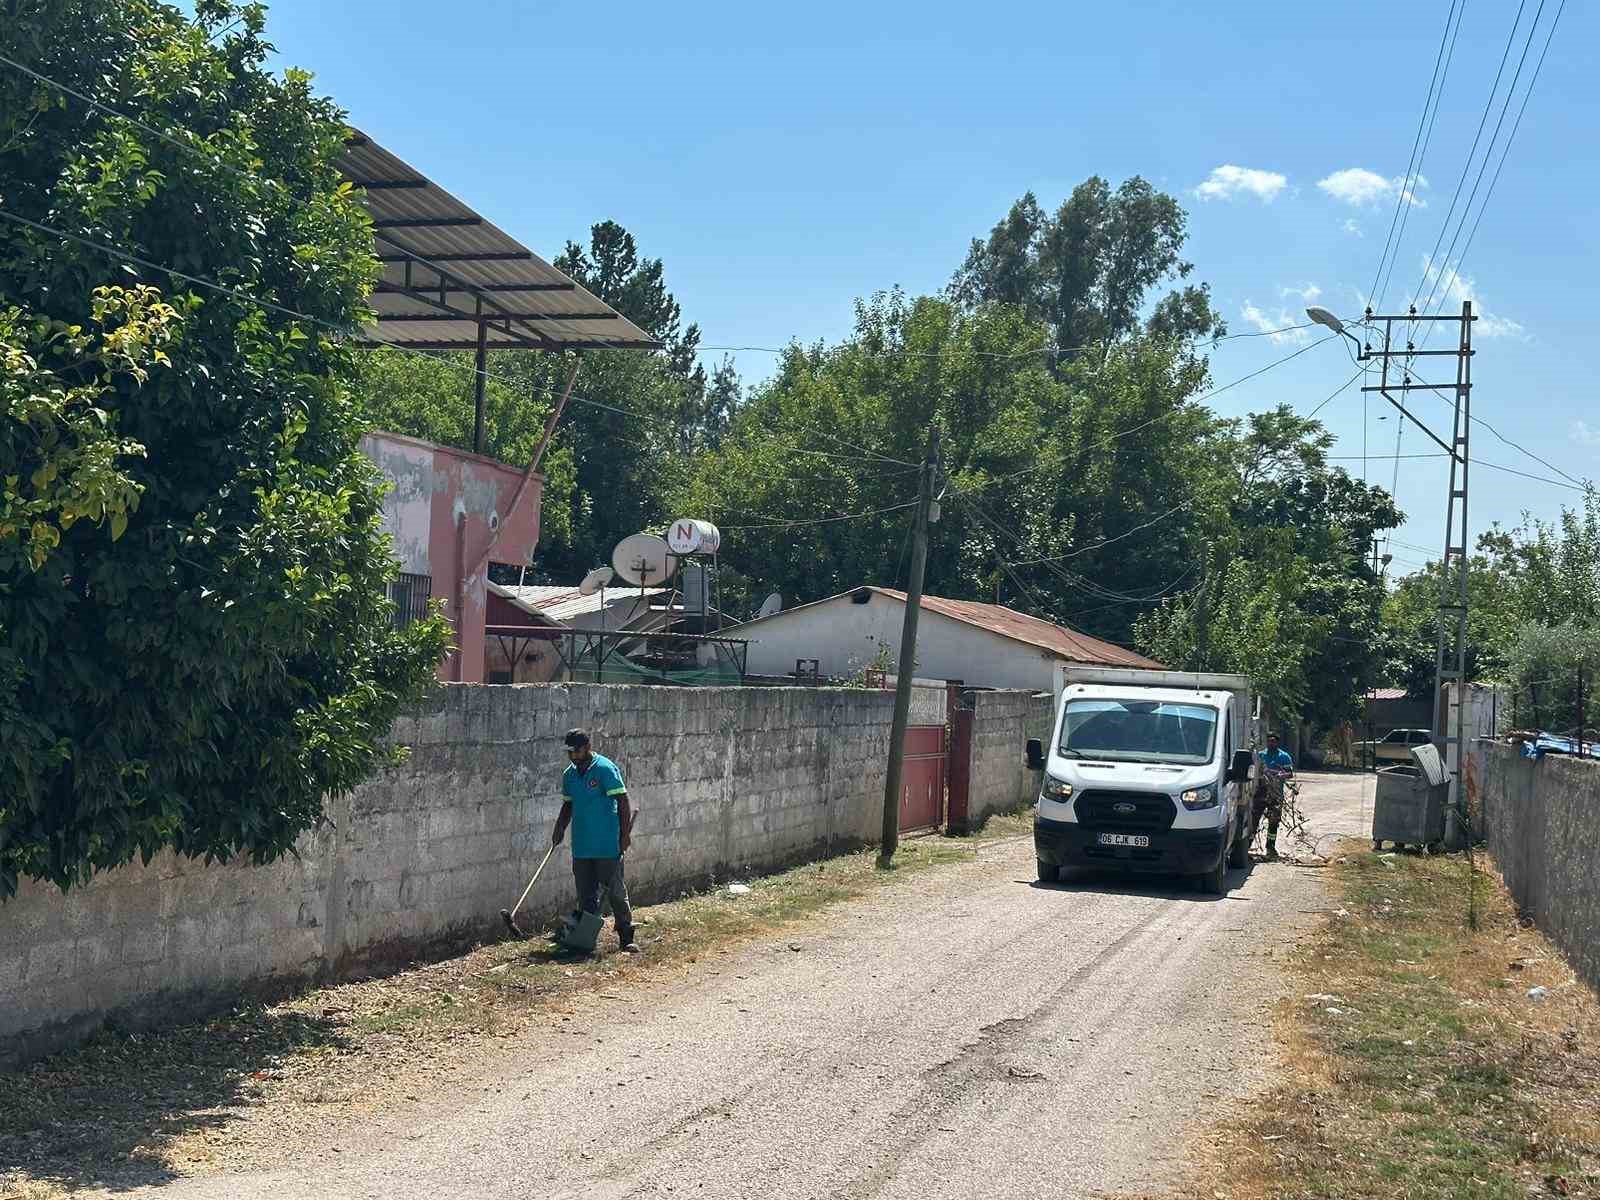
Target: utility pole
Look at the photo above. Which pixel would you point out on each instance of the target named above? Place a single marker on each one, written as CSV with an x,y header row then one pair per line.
x,y
928,481
1450,661
480,379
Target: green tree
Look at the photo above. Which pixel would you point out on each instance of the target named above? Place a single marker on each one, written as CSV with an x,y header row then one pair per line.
x,y
195,641
1289,548
1089,270
1553,669
1072,491
1541,574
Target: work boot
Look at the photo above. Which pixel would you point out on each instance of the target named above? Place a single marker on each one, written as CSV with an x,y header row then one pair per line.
x,y
625,937
1272,854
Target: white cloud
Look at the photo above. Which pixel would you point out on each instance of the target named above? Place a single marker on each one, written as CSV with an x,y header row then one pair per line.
x,y
1585,434
1275,325
1228,181
1359,187
1458,288
1308,293
1353,227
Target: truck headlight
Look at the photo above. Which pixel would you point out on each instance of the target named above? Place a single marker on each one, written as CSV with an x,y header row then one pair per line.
x,y
1055,789
1200,797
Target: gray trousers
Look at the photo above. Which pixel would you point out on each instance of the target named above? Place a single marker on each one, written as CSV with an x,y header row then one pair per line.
x,y
592,875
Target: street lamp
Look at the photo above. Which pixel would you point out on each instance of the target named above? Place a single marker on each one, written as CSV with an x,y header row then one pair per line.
x,y
1323,317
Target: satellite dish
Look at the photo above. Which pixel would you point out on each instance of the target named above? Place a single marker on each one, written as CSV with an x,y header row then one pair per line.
x,y
595,580
770,605
643,560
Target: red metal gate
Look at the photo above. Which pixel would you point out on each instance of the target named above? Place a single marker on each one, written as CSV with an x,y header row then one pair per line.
x,y
922,778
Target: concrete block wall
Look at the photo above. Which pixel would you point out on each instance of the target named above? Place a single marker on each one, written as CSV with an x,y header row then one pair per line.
x,y
726,781
1540,823
1003,721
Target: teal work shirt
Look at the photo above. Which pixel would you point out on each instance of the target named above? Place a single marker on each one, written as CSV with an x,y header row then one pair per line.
x,y
593,792
1277,759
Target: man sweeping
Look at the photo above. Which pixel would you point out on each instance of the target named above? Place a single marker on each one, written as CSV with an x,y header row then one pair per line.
x,y
596,807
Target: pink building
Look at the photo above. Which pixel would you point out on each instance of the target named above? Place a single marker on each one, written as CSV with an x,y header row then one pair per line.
x,y
451,513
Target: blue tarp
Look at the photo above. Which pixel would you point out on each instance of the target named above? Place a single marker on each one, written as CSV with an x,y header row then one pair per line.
x,y
1549,743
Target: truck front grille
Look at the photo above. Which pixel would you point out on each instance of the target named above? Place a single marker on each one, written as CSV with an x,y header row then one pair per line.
x,y
1151,813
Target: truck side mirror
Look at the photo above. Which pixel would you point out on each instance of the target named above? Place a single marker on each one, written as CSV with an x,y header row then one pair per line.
x,y
1239,771
1035,754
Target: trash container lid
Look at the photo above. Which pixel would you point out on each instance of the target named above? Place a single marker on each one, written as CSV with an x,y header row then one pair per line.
x,y
1427,759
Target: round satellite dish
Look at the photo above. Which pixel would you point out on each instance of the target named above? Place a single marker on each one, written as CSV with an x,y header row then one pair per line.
x,y
643,560
770,605
688,537
595,580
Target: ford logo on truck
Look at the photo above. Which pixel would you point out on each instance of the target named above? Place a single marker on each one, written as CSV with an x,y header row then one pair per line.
x,y
1124,807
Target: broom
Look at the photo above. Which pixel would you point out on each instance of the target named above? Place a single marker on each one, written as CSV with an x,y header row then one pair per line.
x,y
509,915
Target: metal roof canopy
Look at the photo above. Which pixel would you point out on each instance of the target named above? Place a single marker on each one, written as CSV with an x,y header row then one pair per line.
x,y
454,281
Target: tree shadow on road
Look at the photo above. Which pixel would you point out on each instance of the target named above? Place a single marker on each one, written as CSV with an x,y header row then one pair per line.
x,y
116,1111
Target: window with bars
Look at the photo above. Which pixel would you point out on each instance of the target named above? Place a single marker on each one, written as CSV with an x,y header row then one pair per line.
x,y
410,594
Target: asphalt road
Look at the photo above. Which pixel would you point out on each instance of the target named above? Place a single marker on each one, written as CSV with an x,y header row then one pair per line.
x,y
967,1033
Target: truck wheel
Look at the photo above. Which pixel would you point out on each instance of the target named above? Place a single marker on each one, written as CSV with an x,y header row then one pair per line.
x,y
1048,872
1239,851
1215,881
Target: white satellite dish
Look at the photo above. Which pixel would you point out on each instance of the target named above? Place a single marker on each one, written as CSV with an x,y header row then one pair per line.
x,y
643,560
595,580
770,605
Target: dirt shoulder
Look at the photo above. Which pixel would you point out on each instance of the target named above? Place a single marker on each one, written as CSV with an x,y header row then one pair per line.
x,y
1424,1058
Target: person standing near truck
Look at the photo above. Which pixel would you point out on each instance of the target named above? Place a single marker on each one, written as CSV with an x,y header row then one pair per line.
x,y
1276,766
595,805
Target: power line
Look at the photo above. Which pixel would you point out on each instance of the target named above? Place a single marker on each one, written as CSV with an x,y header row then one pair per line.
x,y
1108,541
1504,153
1011,354
871,512
1438,272
1488,105
170,139
216,160
1408,192
1071,580
1477,420
1408,185
1336,392
1477,462
344,331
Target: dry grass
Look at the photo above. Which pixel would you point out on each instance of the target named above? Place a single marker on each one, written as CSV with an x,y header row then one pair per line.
x,y
1417,1065
241,1088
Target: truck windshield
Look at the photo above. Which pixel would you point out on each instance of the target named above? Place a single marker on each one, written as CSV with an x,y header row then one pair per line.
x,y
1138,731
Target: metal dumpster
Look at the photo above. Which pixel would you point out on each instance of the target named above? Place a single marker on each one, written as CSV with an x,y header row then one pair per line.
x,y
1409,806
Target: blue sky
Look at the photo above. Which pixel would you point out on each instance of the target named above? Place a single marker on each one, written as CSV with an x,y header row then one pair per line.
x,y
784,162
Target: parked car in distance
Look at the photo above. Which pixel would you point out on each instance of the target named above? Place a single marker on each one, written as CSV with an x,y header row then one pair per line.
x,y
1393,747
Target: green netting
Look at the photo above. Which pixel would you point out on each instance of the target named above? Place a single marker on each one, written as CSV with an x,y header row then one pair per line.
x,y
618,669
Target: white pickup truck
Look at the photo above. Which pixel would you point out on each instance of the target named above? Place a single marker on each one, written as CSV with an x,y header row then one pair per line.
x,y
1147,771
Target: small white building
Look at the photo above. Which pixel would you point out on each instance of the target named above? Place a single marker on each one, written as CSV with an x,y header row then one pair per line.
x,y
983,645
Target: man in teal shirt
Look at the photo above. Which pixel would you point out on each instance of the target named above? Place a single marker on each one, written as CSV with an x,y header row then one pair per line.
x,y
595,805
1276,766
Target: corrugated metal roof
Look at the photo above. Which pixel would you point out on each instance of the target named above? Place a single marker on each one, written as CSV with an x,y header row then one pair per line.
x,y
1058,640
443,264
563,604
1019,627
1388,693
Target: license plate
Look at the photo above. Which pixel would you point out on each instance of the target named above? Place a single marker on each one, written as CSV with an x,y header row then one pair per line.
x,y
1124,839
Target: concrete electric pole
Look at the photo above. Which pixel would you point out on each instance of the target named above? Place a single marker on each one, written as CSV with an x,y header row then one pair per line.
x,y
908,651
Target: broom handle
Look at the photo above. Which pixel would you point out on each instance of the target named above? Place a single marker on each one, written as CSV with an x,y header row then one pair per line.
x,y
534,880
